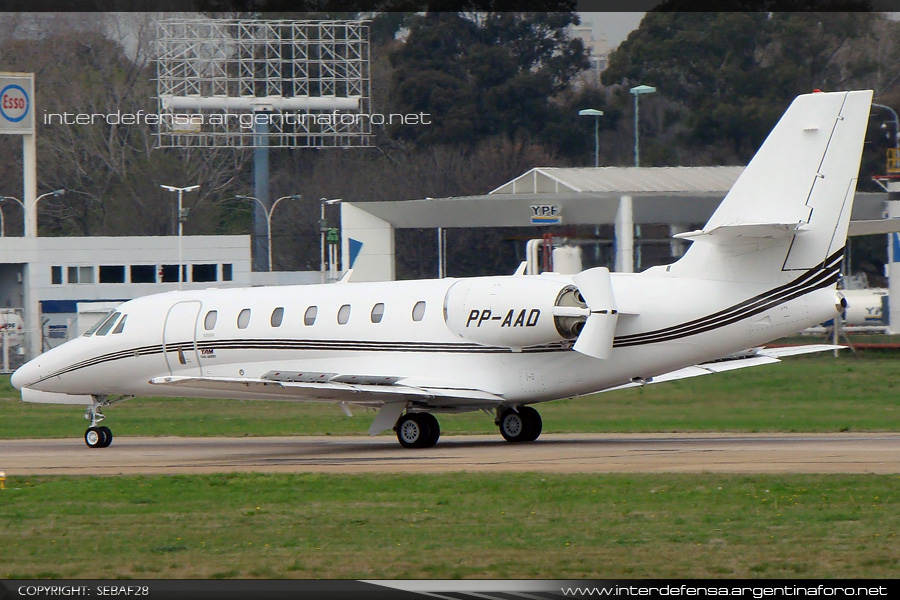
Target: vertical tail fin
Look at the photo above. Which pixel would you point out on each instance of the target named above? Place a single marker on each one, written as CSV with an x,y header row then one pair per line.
x,y
790,208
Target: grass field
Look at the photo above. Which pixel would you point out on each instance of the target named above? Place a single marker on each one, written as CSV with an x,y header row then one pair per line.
x,y
451,526
809,394
475,525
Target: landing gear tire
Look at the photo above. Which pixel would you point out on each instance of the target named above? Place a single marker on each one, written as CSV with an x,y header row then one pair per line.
x,y
107,436
418,430
98,437
523,425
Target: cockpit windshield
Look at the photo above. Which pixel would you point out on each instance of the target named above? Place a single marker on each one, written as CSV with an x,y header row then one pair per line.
x,y
108,323
99,324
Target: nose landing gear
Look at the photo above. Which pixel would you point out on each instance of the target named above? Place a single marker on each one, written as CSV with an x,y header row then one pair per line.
x,y
99,437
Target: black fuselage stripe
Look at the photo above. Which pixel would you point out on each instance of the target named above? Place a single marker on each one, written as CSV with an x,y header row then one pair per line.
x,y
830,280
741,307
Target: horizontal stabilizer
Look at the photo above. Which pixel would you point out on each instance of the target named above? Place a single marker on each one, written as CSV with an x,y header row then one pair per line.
x,y
873,227
746,230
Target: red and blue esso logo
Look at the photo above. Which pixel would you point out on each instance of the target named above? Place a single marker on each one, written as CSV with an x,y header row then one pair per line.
x,y
13,103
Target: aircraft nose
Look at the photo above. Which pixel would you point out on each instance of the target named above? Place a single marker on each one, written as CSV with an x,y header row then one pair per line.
x,y
25,375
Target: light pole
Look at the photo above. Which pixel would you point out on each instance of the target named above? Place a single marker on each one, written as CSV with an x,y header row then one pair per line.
x,y
323,230
182,217
2,226
591,112
59,192
268,212
637,91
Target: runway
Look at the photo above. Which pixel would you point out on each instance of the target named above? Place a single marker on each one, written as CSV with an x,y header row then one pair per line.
x,y
557,453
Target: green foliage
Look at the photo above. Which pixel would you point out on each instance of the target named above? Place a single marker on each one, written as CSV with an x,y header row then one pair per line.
x,y
732,74
484,74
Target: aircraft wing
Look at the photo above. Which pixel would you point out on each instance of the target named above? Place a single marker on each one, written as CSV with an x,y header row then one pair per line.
x,y
382,393
373,392
751,358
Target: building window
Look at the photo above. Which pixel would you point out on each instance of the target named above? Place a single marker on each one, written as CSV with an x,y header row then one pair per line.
x,y
243,319
143,273
85,274
204,272
112,273
310,317
344,314
227,272
80,274
56,275
277,317
418,311
169,274
209,322
378,312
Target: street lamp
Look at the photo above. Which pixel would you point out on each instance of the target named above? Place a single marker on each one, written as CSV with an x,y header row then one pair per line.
x,y
59,192
637,91
591,112
323,230
268,213
182,217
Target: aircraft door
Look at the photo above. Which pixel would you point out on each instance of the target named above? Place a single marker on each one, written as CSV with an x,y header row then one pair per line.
x,y
180,338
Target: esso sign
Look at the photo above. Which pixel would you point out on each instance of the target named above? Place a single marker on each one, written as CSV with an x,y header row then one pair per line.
x,y
13,103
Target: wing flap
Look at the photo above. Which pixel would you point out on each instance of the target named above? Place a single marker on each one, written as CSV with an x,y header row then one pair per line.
x,y
336,390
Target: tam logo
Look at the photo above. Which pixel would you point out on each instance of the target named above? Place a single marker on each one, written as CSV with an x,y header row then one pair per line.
x,y
13,103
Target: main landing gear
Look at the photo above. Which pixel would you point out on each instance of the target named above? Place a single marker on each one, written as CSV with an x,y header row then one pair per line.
x,y
421,429
522,424
417,430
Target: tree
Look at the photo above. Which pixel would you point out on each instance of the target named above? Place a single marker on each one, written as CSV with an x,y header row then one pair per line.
x,y
732,74
483,74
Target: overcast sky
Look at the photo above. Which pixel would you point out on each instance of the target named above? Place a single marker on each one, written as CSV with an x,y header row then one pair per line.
x,y
615,25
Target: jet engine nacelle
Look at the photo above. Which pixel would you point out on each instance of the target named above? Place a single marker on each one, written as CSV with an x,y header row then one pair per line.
x,y
514,312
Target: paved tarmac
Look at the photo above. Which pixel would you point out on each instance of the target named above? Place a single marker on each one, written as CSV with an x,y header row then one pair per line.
x,y
558,453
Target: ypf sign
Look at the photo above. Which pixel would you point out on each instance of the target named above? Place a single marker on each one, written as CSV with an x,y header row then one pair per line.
x,y
16,103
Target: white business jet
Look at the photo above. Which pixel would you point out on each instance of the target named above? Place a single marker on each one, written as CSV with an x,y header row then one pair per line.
x,y
764,266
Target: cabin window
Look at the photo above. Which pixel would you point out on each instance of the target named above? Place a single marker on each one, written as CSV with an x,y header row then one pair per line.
x,y
108,323
344,314
209,322
310,317
227,272
277,317
121,326
378,312
243,319
55,275
418,311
